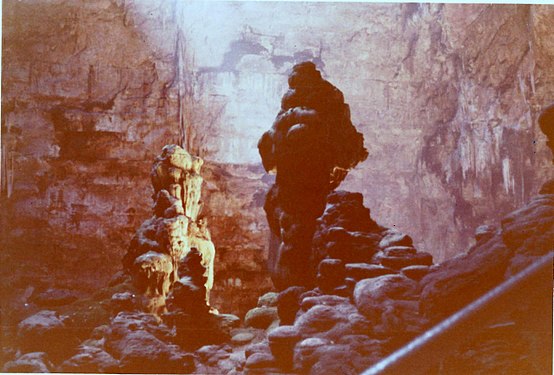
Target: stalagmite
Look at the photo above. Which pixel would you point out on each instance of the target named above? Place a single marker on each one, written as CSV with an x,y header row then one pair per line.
x,y
310,146
162,242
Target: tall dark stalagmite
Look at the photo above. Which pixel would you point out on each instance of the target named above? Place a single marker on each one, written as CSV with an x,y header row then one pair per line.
x,y
311,146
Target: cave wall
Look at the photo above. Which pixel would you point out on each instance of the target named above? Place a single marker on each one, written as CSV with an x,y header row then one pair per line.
x,y
447,97
88,101
92,90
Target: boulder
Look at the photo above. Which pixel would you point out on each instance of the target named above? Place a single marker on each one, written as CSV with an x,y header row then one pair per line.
x,y
90,359
405,259
30,362
242,338
140,351
288,303
332,322
304,350
46,332
268,300
260,360
261,317
325,299
281,342
338,359
125,301
212,354
415,272
359,271
227,321
371,295
484,232
458,281
261,347
394,238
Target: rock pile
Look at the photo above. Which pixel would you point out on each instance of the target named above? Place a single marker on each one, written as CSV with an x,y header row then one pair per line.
x,y
364,305
360,312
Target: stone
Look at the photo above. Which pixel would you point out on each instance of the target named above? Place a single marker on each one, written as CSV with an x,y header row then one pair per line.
x,y
338,359
269,299
281,342
123,301
261,317
126,322
153,273
29,362
288,303
395,238
546,124
415,272
353,246
260,347
141,351
100,332
331,268
90,359
458,281
370,295
525,233
399,251
327,300
405,260
346,210
260,360
228,321
331,322
139,113
212,354
364,345
330,274
484,232
196,330
46,332
303,352
189,292
242,338
359,271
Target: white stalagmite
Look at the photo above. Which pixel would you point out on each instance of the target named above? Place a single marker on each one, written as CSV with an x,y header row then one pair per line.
x,y
163,241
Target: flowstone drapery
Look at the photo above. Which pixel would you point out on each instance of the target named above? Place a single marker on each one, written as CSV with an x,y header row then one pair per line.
x,y
311,146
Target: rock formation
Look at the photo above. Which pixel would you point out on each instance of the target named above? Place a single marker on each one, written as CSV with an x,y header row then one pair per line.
x,y
375,292
163,243
310,146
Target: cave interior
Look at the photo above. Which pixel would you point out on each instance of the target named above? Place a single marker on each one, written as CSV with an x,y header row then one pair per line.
x,y
235,187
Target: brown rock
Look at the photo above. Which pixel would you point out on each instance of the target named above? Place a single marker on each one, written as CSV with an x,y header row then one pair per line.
x,y
261,317
405,260
415,272
260,360
395,238
359,271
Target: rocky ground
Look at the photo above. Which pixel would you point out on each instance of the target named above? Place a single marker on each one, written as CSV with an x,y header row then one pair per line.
x,y
375,292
